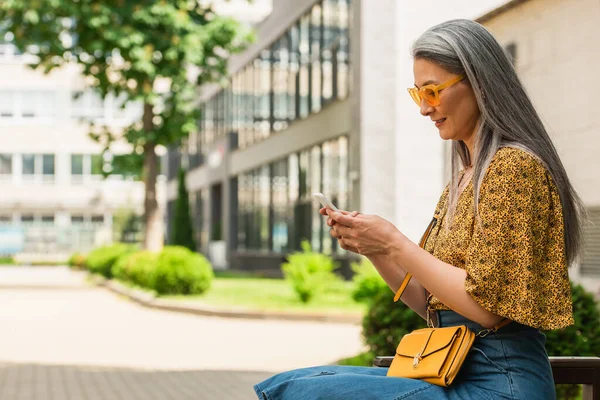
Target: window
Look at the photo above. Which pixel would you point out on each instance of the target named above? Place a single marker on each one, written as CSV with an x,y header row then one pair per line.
x,y
305,69
97,219
87,104
7,104
279,190
315,57
48,164
5,164
28,106
48,219
262,91
5,219
77,219
76,165
97,164
590,265
27,218
330,43
29,164
281,60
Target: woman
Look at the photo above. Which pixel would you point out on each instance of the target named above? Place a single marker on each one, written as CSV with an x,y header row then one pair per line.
x,y
508,227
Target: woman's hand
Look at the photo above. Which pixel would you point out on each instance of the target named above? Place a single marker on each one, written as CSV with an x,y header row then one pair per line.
x,y
368,235
330,222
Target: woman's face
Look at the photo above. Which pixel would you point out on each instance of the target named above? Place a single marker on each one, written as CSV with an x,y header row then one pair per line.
x,y
457,115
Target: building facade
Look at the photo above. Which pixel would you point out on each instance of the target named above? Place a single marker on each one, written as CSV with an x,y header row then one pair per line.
x,y
54,199
317,104
556,52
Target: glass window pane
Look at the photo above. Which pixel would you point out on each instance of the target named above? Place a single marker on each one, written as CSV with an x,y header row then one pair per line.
x,y
97,164
48,218
264,196
28,164
294,51
5,164
46,104
330,40
48,164
97,219
27,218
77,219
279,188
281,60
7,104
28,104
304,72
315,57
343,52
244,211
315,186
76,164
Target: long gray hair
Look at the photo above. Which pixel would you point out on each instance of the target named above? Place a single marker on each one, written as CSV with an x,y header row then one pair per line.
x,y
508,118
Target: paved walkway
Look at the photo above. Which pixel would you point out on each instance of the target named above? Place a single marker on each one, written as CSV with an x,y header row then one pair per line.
x,y
62,339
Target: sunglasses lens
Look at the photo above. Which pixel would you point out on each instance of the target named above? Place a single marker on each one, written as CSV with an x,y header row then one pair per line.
x,y
415,96
430,96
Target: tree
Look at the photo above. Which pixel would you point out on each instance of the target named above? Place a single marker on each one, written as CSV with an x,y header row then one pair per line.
x,y
183,233
155,52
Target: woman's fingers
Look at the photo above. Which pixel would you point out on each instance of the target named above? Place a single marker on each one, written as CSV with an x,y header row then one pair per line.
x,y
343,219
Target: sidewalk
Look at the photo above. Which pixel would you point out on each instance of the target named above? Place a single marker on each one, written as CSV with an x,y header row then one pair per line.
x,y
65,339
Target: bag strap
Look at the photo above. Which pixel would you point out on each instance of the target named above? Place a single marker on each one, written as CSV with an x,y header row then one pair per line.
x,y
422,243
408,276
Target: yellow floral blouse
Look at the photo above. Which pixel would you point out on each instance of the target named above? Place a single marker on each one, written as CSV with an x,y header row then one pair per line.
x,y
515,257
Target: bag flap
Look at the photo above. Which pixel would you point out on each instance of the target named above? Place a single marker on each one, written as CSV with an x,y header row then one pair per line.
x,y
427,341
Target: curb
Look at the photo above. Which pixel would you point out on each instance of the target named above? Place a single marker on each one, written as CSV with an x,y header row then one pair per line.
x,y
149,300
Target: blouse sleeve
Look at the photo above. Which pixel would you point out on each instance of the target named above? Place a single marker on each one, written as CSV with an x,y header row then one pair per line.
x,y
515,262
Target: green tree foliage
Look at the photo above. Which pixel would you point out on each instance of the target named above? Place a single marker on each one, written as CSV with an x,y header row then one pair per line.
x,y
183,232
154,52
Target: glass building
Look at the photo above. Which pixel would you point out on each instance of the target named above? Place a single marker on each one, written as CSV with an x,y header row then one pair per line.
x,y
256,213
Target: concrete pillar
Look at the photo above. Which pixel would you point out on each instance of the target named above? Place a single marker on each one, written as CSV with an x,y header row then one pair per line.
x,y
373,100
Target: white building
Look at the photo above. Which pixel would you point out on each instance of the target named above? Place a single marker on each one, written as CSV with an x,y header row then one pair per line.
x,y
557,55
50,170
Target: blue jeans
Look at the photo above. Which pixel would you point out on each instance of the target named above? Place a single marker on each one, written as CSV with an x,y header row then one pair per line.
x,y
509,364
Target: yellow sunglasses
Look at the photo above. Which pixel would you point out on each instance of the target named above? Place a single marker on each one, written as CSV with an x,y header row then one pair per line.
x,y
431,93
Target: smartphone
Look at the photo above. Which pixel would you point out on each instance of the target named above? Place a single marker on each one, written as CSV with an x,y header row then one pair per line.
x,y
325,201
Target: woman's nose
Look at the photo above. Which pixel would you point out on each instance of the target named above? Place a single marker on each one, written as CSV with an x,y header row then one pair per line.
x,y
425,108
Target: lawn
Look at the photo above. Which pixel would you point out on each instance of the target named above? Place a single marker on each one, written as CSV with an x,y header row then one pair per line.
x,y
264,294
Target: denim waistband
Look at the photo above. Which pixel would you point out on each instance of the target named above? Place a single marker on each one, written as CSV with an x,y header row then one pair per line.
x,y
452,318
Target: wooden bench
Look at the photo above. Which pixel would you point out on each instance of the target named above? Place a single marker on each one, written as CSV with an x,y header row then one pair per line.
x,y
579,370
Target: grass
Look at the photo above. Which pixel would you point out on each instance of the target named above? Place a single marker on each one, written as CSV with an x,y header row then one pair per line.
x,y
263,294
361,360
7,261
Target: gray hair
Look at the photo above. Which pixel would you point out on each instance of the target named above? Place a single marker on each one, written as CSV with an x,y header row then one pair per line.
x,y
508,118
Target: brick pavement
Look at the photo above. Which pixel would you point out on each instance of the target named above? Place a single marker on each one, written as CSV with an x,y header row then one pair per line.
x,y
62,339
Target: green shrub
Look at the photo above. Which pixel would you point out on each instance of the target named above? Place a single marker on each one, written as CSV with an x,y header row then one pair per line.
x,y
137,268
7,261
181,271
367,281
580,339
386,322
183,231
308,272
102,259
77,260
